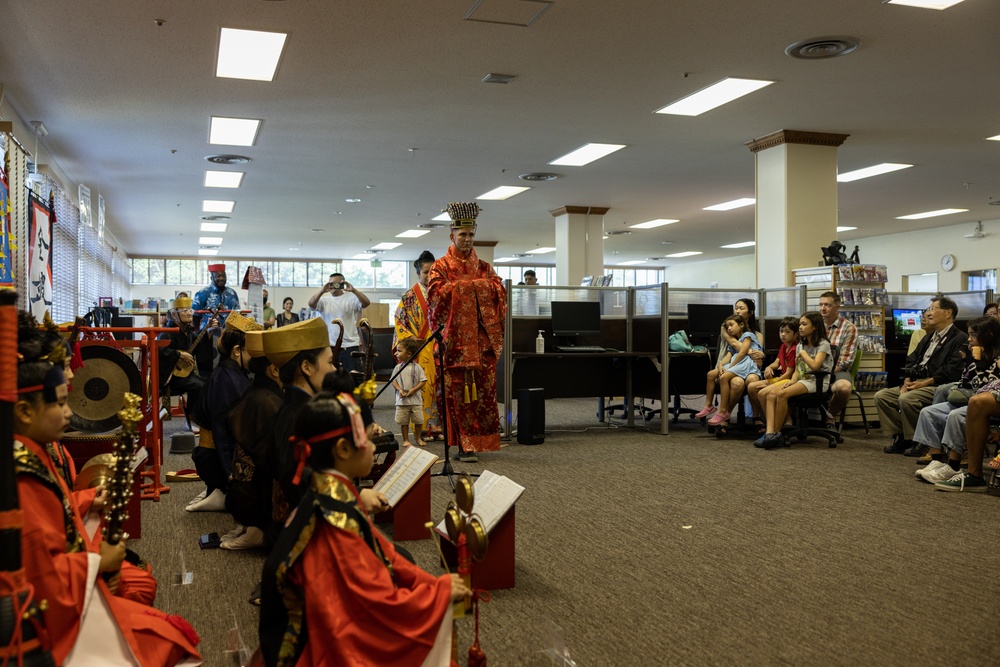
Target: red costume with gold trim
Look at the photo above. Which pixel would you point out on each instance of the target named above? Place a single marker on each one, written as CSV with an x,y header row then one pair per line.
x,y
60,562
467,296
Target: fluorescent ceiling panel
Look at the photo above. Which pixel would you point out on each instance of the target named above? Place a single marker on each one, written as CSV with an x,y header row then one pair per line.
x,y
249,54
868,172
716,95
503,192
386,246
208,251
632,262
412,233
217,206
690,253
214,226
745,244
587,154
444,217
996,138
233,131
926,4
223,179
730,205
364,255
210,240
659,222
931,214
846,229
540,251
504,259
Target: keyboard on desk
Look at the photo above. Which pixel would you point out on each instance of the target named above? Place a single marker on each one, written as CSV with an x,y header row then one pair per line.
x,y
579,348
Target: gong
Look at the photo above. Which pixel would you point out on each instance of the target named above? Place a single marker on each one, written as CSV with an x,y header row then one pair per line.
x,y
98,389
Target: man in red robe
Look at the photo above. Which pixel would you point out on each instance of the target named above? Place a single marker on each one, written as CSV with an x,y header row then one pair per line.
x,y
467,297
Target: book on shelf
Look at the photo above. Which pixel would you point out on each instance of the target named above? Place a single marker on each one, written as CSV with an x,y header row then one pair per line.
x,y
494,496
871,380
404,473
871,344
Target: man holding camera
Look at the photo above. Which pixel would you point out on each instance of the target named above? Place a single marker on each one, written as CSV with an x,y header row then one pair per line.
x,y
340,300
936,361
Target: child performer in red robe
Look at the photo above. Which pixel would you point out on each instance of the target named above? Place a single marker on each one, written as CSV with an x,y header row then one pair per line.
x,y
334,590
87,623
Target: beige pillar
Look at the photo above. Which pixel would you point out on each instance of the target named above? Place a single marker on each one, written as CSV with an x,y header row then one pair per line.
x,y
579,243
796,183
484,250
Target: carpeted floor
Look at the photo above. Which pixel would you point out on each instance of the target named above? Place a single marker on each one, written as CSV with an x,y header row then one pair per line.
x,y
680,550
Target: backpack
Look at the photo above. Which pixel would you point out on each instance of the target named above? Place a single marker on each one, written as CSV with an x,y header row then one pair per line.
x,y
679,342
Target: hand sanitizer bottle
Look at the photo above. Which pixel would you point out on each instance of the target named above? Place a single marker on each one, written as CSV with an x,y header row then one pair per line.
x,y
540,343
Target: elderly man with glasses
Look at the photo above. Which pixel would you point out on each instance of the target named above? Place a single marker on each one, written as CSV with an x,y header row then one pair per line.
x,y
937,360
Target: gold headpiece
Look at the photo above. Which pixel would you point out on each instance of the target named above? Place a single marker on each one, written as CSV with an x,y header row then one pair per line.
x,y
283,343
254,344
463,214
244,324
182,302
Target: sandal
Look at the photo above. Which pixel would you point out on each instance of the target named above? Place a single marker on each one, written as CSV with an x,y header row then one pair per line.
x,y
995,462
759,425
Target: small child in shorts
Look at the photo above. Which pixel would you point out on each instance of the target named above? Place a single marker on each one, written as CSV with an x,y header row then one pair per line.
x,y
409,402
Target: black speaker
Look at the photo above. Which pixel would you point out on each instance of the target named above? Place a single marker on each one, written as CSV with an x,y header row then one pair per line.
x,y
531,416
123,321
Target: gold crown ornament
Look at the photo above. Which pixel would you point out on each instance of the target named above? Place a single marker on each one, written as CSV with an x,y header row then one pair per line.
x,y
254,343
462,214
240,323
182,303
283,343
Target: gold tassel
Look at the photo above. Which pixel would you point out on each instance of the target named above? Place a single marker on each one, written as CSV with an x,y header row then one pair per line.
x,y
475,395
467,386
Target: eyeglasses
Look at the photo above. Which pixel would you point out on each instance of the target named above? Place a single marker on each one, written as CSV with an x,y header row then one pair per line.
x,y
932,308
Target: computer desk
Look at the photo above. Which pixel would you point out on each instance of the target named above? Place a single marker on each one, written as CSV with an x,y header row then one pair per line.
x,y
576,375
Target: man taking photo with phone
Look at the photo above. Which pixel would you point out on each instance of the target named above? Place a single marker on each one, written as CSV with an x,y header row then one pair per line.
x,y
340,300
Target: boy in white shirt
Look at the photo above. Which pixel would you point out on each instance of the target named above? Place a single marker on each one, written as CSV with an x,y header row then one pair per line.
x,y
408,383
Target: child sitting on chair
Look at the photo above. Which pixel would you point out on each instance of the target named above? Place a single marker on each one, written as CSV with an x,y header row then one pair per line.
x,y
736,364
408,384
777,374
334,590
812,354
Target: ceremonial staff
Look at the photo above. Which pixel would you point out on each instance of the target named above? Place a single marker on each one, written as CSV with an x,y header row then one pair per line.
x,y
22,635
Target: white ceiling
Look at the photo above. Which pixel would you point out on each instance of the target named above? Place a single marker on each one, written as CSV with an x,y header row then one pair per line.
x,y
362,82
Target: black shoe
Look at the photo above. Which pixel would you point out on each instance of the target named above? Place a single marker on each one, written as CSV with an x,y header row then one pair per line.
x,y
916,449
897,446
466,457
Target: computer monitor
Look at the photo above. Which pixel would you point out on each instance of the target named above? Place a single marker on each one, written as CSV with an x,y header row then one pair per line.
x,y
576,318
705,319
904,323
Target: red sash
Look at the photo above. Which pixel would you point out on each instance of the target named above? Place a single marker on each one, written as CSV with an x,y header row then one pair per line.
x,y
418,292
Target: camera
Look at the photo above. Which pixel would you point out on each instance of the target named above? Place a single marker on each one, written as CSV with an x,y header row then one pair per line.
x,y
336,285
914,372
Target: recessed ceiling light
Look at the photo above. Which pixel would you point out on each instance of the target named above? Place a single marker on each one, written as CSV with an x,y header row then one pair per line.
x,y
689,253
444,217
249,54
931,214
605,236
925,4
217,206
744,244
730,205
586,154
364,255
538,176
846,229
210,240
214,226
996,138
631,262
659,222
499,78
233,131
867,172
386,246
223,179
503,192
353,200
504,259
540,251
716,95
412,233
208,251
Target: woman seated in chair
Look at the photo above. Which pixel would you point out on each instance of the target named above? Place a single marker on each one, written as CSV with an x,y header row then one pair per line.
x,y
812,355
941,426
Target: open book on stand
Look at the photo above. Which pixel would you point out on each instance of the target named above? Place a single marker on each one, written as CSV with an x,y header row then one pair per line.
x,y
404,473
495,495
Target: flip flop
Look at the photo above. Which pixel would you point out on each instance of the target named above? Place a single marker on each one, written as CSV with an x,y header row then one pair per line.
x,y
187,475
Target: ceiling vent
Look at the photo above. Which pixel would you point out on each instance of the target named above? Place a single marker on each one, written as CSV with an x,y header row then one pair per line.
x,y
228,159
820,48
498,78
215,217
538,176
618,233
431,225
994,202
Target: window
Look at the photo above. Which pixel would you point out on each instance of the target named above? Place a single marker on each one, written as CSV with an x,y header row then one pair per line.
x,y
392,275
359,273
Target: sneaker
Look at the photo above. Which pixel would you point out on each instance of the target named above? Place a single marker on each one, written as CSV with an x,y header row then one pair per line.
x,y
962,481
253,538
759,442
774,440
719,417
705,411
932,466
213,502
942,473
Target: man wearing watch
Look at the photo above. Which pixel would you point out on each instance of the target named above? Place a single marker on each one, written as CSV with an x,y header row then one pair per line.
x,y
340,300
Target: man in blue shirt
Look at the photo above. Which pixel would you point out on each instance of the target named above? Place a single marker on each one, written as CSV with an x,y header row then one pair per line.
x,y
215,296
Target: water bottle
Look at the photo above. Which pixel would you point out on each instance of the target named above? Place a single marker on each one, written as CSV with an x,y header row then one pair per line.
x,y
540,343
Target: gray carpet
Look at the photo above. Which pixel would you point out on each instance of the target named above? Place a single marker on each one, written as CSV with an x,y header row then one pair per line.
x,y
681,550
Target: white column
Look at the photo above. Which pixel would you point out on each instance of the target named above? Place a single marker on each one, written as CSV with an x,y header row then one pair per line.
x,y
579,242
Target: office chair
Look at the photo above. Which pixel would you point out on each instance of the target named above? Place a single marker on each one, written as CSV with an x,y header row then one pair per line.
x,y
856,393
801,405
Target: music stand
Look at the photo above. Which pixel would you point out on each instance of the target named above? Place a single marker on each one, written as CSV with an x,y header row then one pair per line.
x,y
447,470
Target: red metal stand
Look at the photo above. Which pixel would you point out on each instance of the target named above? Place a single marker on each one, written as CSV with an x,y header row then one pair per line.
x,y
496,570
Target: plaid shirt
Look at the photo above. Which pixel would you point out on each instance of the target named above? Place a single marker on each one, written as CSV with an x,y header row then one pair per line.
x,y
844,335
